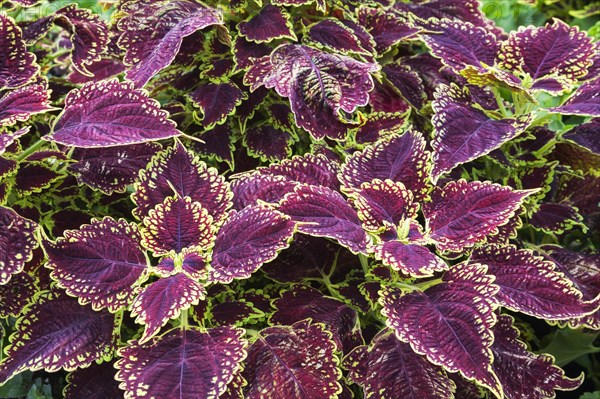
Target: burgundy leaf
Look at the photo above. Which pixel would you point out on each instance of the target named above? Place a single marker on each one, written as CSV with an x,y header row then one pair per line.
x,y
178,171
296,3
113,168
450,323
268,142
302,302
411,259
522,373
271,22
248,239
245,52
555,218
57,332
110,113
322,212
586,135
389,369
163,300
103,69
34,176
17,65
216,101
399,158
585,101
7,139
154,30
189,261
334,35
531,285
232,313
248,189
462,214
17,241
292,362
386,27
94,382
20,104
408,82
177,224
379,125
218,142
16,294
464,133
183,363
102,263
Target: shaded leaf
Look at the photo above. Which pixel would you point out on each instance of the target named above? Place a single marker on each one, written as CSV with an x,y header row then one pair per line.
x,y
585,101
555,218
17,65
271,22
16,294
17,241
216,101
387,28
334,35
94,382
248,189
20,104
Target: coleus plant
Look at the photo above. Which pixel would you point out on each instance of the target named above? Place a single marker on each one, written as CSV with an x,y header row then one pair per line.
x,y
299,199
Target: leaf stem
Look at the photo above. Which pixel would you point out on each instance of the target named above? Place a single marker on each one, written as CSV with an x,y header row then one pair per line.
x,y
183,319
32,148
364,262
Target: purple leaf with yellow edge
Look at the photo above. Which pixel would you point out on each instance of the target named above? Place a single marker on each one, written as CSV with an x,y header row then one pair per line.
x,y
524,374
302,302
321,212
321,5
585,101
248,189
389,369
408,82
388,99
216,101
398,158
410,259
179,171
459,44
176,224
7,139
246,52
268,142
383,204
217,142
271,22
292,362
110,113
320,86
102,263
334,35
103,69
89,35
163,300
17,241
555,55
190,261
57,333
386,27
152,33
586,135
113,168
34,176
231,313
17,65
450,323
531,285
186,362
464,133
94,382
248,239
16,294
379,125
555,218
20,104
258,71
463,213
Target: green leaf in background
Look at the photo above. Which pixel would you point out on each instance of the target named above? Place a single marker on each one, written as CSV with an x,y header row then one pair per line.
x,y
567,345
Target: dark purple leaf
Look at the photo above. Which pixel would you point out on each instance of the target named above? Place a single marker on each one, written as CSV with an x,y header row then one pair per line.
x,y
399,158
379,125
555,218
271,22
268,142
334,35
178,171
190,262
585,101
386,27
218,143
163,300
94,382
102,263
184,363
555,55
103,69
385,98
154,30
531,285
292,362
58,333
246,52
248,239
15,294
450,323
408,82
522,373
216,101
17,65
302,302
464,133
34,176
110,113
176,224
231,313
463,213
320,86
586,135
248,189
17,241
20,104
322,212
114,168
259,69
321,5
7,139
389,369
410,259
